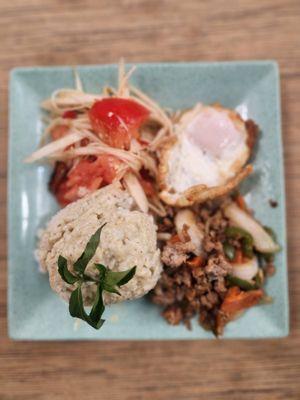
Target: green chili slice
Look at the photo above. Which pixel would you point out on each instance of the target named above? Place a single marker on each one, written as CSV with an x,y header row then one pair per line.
x,y
241,283
229,251
233,232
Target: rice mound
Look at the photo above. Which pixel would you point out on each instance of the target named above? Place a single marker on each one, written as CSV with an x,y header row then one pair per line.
x,y
128,239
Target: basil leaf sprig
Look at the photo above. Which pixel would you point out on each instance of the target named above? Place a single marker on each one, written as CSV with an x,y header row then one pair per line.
x,y
107,280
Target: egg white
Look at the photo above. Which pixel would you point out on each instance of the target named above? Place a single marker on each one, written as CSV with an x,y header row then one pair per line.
x,y
188,166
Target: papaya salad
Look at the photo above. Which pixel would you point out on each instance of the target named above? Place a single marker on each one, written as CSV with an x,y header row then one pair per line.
x,y
182,169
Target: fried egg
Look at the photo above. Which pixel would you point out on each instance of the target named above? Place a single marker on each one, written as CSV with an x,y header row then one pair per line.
x,y
206,158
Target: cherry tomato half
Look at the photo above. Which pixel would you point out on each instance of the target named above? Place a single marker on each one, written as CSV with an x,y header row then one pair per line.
x,y
117,120
87,176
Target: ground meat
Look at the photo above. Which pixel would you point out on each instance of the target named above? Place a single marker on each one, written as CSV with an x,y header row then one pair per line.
x,y
165,225
217,266
173,314
210,300
185,290
220,286
210,244
175,254
196,285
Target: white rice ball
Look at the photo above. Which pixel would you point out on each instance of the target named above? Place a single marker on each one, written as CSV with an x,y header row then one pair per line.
x,y
127,240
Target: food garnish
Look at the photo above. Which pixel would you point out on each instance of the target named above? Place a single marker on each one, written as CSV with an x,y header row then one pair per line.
x,y
106,280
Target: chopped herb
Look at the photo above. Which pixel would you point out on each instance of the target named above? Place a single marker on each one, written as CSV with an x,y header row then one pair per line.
x,y
106,280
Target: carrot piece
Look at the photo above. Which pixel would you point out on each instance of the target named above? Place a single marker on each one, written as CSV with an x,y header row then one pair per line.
x,y
236,301
175,239
238,258
241,202
195,262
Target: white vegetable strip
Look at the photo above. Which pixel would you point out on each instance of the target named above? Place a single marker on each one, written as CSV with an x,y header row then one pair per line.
x,y
148,161
135,189
187,218
89,135
78,83
164,236
69,99
156,205
263,242
152,105
47,131
123,90
94,149
247,270
55,146
158,138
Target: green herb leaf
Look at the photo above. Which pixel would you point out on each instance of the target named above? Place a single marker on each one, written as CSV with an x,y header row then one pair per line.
x,y
118,278
66,275
98,307
102,271
107,280
90,250
128,275
111,289
77,310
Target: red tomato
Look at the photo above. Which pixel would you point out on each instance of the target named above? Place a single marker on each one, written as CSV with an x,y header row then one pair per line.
x,y
70,114
147,183
117,120
148,187
87,176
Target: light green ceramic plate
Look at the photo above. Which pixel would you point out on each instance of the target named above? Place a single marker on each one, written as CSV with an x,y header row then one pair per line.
x,y
252,88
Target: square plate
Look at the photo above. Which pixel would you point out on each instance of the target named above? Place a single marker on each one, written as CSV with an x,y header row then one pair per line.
x,y
252,88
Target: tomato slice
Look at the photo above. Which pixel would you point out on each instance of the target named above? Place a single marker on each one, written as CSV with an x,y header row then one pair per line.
x,y
117,120
87,176
147,183
70,114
